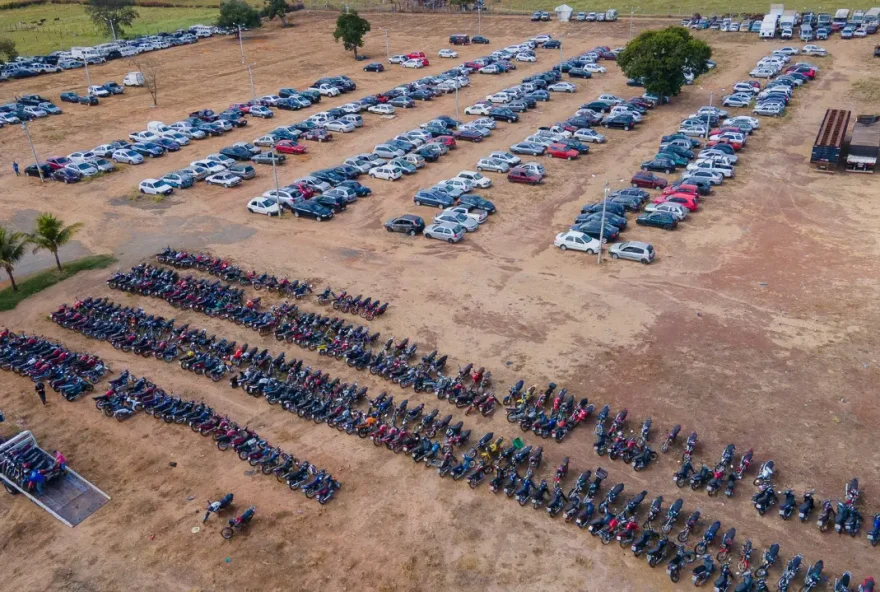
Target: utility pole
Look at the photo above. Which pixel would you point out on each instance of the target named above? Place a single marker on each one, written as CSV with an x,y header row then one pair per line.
x,y
631,15
112,28
250,69
479,14
240,44
711,97
602,223
456,101
275,175
387,47
88,77
33,150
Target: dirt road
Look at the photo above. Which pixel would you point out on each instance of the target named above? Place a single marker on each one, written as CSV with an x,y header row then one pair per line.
x,y
756,325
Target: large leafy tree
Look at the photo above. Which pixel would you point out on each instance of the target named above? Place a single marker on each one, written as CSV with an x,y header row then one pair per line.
x,y
277,8
7,50
112,16
235,13
661,58
351,28
12,249
51,234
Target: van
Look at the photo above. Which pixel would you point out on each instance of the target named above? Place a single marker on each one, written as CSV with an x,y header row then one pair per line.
x,y
611,15
806,33
459,40
133,79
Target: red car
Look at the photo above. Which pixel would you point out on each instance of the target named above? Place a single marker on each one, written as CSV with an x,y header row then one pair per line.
x,y
317,135
641,102
290,147
415,55
469,135
522,175
425,61
58,162
735,145
727,128
649,180
241,107
561,151
447,141
683,188
472,65
684,199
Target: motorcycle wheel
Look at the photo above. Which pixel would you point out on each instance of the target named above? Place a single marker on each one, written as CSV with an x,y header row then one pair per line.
x,y
227,533
674,577
243,454
310,493
683,536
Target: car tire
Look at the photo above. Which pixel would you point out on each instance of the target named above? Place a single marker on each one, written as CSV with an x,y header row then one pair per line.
x,y
411,233
563,247
591,251
450,241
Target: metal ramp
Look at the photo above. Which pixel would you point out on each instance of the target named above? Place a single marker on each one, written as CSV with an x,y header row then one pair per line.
x,y
71,499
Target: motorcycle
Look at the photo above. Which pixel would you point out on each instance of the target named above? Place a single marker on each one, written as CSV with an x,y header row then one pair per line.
x,y
806,508
702,573
669,440
216,507
672,516
768,560
786,508
236,524
708,538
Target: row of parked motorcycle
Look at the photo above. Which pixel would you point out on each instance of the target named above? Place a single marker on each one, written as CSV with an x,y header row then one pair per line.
x,y
68,373
367,307
128,395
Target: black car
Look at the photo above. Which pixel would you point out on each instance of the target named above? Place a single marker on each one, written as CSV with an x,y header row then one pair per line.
x,y
479,39
600,106
169,145
428,154
468,135
437,199
88,100
503,114
579,73
580,121
374,67
552,44
31,170
369,101
236,152
629,203
268,157
148,149
234,118
402,102
662,165
474,200
594,229
407,224
679,151
311,209
288,105
539,95
635,82
624,122
610,218
347,171
113,88
422,95
359,190
335,203
66,176
633,192
659,219
576,145
610,207
563,67
69,97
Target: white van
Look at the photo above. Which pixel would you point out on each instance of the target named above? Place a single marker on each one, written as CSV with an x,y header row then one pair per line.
x,y
133,79
85,53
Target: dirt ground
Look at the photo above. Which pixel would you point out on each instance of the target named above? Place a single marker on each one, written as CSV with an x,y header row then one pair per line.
x,y
756,325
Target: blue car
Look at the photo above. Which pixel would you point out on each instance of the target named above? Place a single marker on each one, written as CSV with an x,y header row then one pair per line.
x,y
179,180
433,198
359,190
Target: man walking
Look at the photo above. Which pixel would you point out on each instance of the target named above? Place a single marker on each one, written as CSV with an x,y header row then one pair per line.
x,y
15,168
41,392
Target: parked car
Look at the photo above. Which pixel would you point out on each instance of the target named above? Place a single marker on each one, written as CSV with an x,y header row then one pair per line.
x,y
242,170
589,135
633,251
407,224
374,67
387,172
127,156
433,198
493,165
224,179
179,180
577,241
649,180
663,165
558,150
663,220
562,87
311,209
522,175
528,148
451,233
262,205
155,187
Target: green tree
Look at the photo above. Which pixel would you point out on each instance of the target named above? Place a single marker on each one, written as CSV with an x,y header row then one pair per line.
x,y
277,8
7,49
351,28
112,16
235,13
12,249
661,58
51,234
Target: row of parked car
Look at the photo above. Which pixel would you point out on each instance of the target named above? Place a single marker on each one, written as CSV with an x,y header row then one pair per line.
x,y
27,108
783,77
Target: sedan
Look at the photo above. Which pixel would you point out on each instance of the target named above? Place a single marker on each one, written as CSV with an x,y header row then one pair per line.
x,y
359,190
224,179
632,250
381,109
268,158
127,156
507,157
589,135
453,218
236,152
562,87
451,233
737,101
339,126
712,178
467,134
312,209
528,148
577,241
66,175
662,220
86,169
523,175
493,165
478,109
261,111
649,180
262,205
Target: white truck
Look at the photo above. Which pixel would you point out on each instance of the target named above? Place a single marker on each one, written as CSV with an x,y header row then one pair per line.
x,y
788,19
85,53
133,79
768,26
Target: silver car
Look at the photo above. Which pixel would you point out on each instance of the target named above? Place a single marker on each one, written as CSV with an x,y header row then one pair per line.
x,y
633,250
453,218
451,233
492,164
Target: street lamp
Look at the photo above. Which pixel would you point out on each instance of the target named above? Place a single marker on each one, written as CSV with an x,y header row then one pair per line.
x,y
240,44
602,223
250,70
112,27
33,150
479,14
387,49
277,191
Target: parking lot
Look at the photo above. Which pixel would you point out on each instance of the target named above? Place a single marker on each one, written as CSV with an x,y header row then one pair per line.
x,y
756,322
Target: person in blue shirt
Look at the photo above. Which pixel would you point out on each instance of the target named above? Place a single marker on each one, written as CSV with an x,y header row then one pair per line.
x,y
37,480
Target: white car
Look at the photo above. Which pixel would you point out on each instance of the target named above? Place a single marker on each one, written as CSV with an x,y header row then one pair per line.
x,y
352,108
594,68
475,179
82,156
762,73
327,90
772,110
745,87
507,157
608,98
263,205
787,50
413,64
490,69
541,39
477,110
713,153
143,136
494,165
35,111
448,53
397,59
224,179
339,126
710,176
498,98
269,100
814,50
679,211
128,157
86,169
387,172
359,163
562,87
221,158
752,121
477,215
212,166
382,109
266,140
577,241
155,187
586,134
286,198
98,91
525,57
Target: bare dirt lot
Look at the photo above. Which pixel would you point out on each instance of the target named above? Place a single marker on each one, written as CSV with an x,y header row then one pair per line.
x,y
756,325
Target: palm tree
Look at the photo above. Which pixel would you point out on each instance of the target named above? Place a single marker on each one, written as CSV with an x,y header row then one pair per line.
x,y
51,234
12,248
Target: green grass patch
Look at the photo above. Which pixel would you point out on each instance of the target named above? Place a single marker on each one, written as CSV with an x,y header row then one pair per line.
x,y
41,280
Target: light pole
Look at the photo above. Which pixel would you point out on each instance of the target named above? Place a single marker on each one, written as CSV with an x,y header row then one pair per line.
x,y
250,69
33,150
479,14
602,223
112,28
275,175
456,101
240,44
88,77
632,13
387,47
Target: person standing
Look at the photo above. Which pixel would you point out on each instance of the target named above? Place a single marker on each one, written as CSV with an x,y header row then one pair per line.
x,y
41,392
15,168
37,480
60,460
